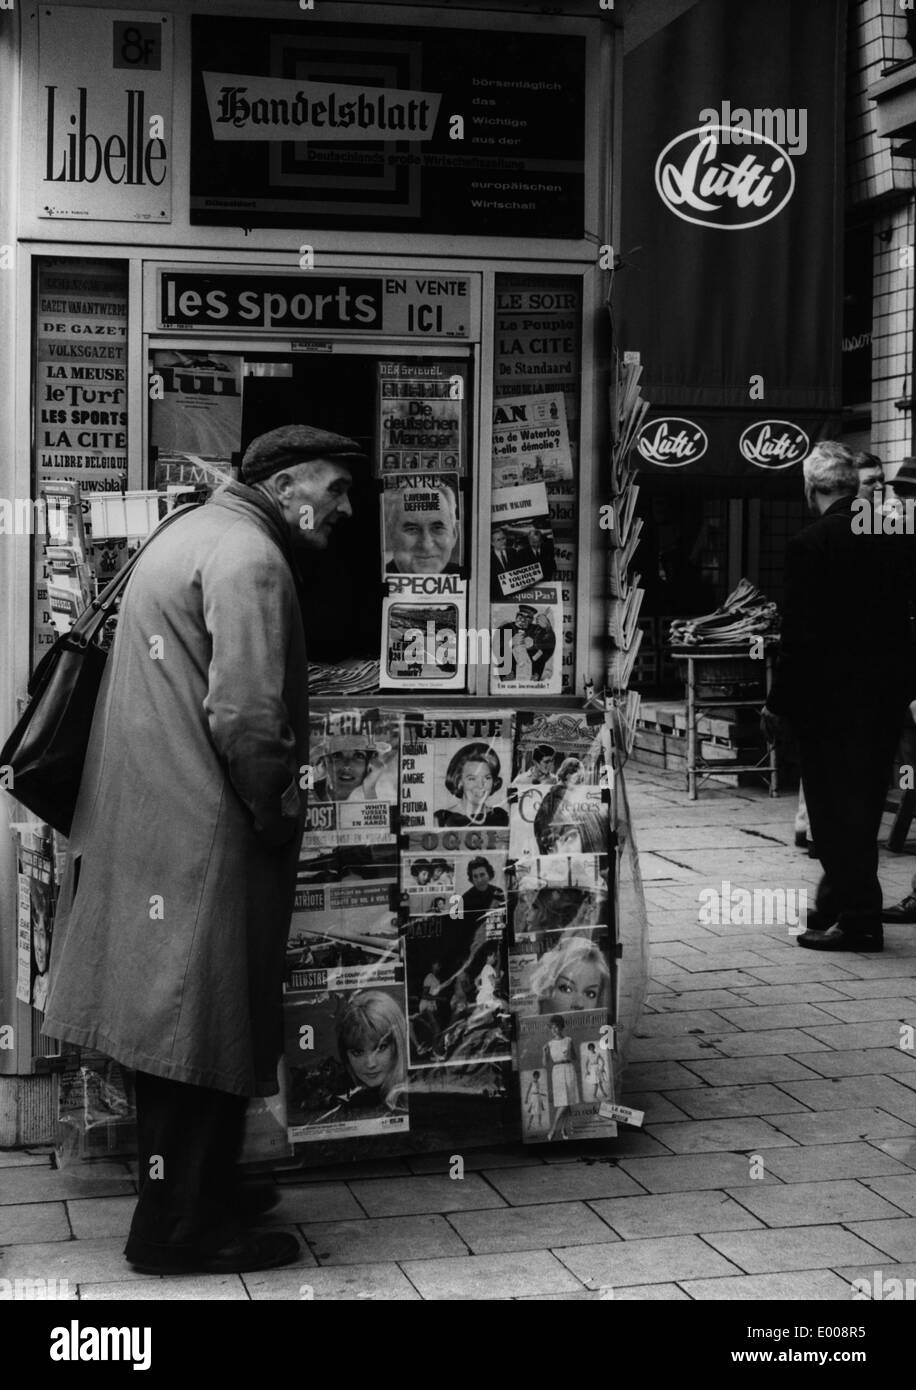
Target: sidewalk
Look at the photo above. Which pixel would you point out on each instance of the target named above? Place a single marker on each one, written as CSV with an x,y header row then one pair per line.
x,y
777,1159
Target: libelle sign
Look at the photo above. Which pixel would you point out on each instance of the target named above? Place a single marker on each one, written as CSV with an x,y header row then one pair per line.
x,y
105,111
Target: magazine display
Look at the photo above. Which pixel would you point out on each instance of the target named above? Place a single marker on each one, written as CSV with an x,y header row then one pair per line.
x,y
198,404
521,539
424,619
346,1054
352,787
559,745
457,990
465,884
559,818
422,408
566,1080
36,897
543,898
560,971
455,768
421,523
530,440
527,643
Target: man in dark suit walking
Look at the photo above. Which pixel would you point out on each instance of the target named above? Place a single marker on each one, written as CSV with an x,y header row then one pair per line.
x,y
844,677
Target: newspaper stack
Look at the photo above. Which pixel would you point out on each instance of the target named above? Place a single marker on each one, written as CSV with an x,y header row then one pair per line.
x,y
745,614
628,410
70,587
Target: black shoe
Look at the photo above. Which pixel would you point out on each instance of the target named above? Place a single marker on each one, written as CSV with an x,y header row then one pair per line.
x,y
904,913
816,921
836,939
244,1253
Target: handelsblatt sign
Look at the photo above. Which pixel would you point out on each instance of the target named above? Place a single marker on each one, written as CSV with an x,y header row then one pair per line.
x,y
387,127
422,306
104,105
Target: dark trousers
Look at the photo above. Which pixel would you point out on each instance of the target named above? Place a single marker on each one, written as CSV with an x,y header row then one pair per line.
x,y
846,770
189,1139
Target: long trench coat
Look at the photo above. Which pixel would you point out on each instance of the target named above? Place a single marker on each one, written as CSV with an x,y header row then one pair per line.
x,y
176,901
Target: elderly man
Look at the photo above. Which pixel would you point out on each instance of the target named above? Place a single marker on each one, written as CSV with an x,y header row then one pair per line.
x,y
871,477
421,530
179,889
842,681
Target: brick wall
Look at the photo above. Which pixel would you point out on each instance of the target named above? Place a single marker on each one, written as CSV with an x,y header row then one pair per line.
x,y
879,181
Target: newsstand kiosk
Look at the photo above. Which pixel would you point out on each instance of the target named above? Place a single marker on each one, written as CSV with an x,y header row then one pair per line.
x,y
392,222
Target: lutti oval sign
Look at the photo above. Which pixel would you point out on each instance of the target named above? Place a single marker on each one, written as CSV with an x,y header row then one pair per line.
x,y
733,193
672,442
774,444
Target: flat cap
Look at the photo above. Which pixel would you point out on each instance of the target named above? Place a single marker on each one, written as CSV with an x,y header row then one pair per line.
x,y
291,444
904,480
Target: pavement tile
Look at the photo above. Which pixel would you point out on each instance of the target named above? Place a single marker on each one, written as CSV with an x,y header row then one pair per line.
x,y
693,1021
671,1049
549,1226
94,1218
655,1107
531,1272
877,989
743,1071
809,993
25,1158
820,1162
904,1150
707,1136
356,1282
711,978
693,1172
799,1247
660,1259
835,1126
659,1076
800,970
884,1278
852,1092
672,1002
565,1182
862,1061
901,1190
511,1156
776,1016
678,1214
633,1141
719,1102
78,1261
769,1041
436,1192
347,1169
187,1287
381,1239
726,959
803,1286
32,1222
896,1237
326,1201
33,1184
814,1203
866,1010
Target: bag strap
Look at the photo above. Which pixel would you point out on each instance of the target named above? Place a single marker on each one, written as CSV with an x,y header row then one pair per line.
x,y
88,622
